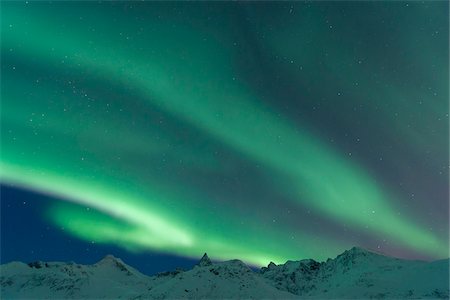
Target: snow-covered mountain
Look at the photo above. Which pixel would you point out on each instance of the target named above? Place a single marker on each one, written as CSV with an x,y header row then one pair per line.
x,y
109,278
356,274
361,274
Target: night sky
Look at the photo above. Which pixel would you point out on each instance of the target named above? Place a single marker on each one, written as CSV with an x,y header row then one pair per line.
x,y
259,131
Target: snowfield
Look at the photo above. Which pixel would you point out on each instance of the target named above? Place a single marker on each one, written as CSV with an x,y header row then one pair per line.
x,y
355,274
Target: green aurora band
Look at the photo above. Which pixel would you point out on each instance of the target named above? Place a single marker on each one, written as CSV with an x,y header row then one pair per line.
x,y
108,150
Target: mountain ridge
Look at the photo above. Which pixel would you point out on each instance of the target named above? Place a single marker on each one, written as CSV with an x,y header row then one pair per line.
x,y
355,273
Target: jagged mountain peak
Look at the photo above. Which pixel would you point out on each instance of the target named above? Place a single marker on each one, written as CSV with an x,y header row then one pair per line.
x,y
270,266
358,256
205,261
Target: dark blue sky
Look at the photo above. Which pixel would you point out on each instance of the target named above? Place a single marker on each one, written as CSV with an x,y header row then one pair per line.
x,y
27,237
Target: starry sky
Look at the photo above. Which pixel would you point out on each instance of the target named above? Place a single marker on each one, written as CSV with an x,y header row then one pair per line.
x,y
263,131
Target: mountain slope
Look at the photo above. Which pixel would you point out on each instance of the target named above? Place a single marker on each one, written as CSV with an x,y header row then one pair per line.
x,y
109,278
230,279
356,273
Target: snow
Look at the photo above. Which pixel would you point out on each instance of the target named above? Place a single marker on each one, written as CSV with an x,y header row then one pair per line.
x,y
356,273
231,279
109,278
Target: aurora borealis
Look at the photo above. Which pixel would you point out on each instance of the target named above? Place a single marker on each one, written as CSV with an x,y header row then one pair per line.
x,y
258,131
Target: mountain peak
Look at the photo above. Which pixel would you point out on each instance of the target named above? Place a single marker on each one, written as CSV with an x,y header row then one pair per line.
x,y
204,261
358,251
355,253
111,260
108,259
